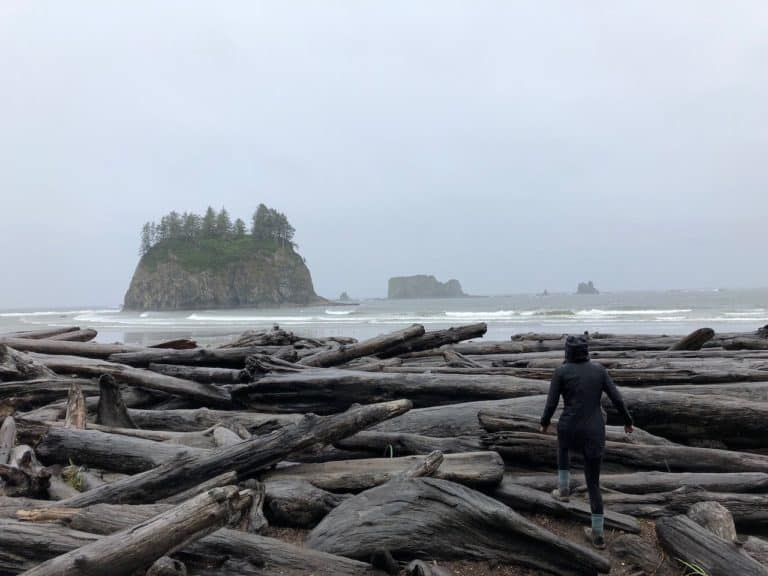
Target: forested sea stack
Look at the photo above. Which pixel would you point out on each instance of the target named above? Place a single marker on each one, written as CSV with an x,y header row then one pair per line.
x,y
193,262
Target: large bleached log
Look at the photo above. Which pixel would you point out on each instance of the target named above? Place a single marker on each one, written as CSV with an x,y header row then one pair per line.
x,y
41,333
116,452
520,497
640,482
25,394
376,345
499,421
685,539
524,447
17,366
190,420
748,510
84,349
247,457
77,414
752,391
401,444
137,548
203,374
695,340
112,410
298,503
84,335
405,516
436,339
218,357
7,439
478,469
205,393
324,391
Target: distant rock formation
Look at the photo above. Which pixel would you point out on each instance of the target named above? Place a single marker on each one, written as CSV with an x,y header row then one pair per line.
x,y
587,288
423,286
344,297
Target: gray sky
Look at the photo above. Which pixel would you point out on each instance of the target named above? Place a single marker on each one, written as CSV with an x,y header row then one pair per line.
x,y
515,145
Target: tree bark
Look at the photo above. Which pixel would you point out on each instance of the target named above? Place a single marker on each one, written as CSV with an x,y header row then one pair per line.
x,y
476,469
377,345
436,339
247,457
684,539
714,517
404,516
76,415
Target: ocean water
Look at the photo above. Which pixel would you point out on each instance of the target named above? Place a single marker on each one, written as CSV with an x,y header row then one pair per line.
x,y
671,312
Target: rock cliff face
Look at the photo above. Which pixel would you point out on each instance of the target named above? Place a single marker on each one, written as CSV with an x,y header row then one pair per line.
x,y
176,276
423,286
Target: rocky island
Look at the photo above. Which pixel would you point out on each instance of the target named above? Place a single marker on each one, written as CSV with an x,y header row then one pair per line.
x,y
423,286
587,288
195,262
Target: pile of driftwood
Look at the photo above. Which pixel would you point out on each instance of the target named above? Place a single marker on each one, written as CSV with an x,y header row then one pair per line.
x,y
406,449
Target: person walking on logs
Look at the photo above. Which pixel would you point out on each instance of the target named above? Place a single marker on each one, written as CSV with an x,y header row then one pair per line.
x,y
582,426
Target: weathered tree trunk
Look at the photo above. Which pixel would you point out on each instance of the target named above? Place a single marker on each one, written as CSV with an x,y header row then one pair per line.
x,y
477,469
218,357
377,345
135,549
112,410
247,457
751,391
749,510
686,540
84,349
404,516
28,394
325,391
85,335
695,340
76,415
7,439
518,447
436,339
501,421
191,420
17,366
116,452
520,497
647,482
204,374
206,393
298,503
396,444
41,333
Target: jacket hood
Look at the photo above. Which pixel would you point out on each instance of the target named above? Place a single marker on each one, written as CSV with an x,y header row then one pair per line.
x,y
576,349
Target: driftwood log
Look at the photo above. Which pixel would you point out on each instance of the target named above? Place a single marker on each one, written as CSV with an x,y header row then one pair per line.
x,y
685,539
436,339
404,516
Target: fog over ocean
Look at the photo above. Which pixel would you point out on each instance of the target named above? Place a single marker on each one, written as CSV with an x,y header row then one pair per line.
x,y
670,312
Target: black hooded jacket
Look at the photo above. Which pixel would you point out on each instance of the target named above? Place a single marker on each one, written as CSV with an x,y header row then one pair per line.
x,y
581,384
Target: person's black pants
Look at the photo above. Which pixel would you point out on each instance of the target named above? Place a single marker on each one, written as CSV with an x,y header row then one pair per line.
x,y
592,465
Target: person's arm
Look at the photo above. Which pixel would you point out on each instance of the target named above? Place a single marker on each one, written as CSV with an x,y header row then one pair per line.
x,y
552,399
618,402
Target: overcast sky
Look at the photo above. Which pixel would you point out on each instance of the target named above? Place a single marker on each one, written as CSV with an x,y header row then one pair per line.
x,y
514,145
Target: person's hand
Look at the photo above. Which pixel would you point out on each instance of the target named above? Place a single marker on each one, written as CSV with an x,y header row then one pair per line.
x,y
629,428
543,429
